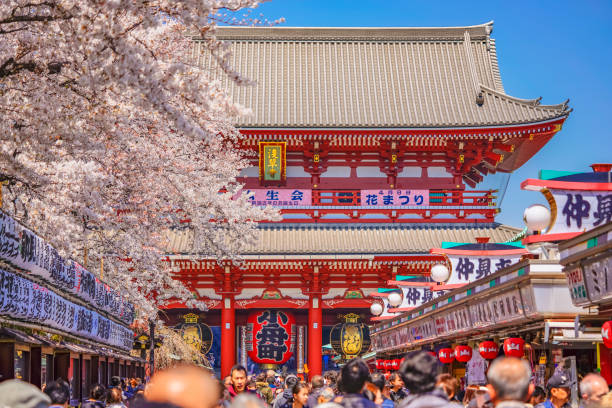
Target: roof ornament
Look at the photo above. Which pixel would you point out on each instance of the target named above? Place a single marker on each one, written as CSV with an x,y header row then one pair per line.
x,y
480,98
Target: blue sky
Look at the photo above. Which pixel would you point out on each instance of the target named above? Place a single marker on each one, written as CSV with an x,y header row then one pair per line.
x,y
553,49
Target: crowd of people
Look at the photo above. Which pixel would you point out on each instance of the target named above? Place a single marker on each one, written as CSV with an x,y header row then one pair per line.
x,y
417,384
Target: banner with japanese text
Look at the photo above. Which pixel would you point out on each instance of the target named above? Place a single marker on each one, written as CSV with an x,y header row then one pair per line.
x,y
272,161
395,198
280,197
579,210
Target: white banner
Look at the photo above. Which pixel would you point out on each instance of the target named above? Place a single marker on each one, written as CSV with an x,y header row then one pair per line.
x,y
579,211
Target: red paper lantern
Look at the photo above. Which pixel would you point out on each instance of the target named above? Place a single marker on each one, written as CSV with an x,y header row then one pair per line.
x,y
446,355
270,333
606,334
463,354
388,364
379,365
488,349
395,364
513,347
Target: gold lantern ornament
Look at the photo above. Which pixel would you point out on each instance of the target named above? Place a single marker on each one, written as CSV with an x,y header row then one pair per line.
x,y
351,338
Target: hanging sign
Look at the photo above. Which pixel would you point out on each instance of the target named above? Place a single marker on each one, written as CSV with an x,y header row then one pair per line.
x,y
580,210
25,250
23,299
280,197
270,336
395,198
272,161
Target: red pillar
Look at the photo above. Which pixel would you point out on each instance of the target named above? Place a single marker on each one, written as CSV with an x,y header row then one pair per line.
x,y
228,336
315,336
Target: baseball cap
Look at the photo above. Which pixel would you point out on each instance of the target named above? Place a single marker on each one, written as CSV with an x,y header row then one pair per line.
x,y
559,381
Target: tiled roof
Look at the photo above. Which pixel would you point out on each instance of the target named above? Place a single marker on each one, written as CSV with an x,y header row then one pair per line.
x,y
364,239
372,77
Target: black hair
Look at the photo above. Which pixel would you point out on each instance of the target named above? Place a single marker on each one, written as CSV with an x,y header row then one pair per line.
x,y
291,381
419,371
58,391
115,381
317,382
538,392
298,387
354,374
378,379
238,367
393,377
96,391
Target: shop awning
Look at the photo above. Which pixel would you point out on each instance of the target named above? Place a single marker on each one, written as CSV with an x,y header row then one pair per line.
x,y
18,335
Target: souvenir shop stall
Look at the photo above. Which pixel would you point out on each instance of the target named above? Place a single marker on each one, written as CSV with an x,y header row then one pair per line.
x,y
57,319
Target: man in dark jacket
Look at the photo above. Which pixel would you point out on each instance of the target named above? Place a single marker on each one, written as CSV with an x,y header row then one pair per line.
x,y
419,372
317,384
287,396
352,380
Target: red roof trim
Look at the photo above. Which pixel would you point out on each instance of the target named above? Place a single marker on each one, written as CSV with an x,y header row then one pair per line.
x,y
562,236
469,252
565,185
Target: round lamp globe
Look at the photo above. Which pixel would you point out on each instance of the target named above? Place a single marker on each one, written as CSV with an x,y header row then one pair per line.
x,y
440,273
536,217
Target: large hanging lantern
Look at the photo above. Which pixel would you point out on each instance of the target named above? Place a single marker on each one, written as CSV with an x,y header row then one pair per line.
x,y
351,338
606,334
270,336
197,335
513,347
446,355
488,349
463,354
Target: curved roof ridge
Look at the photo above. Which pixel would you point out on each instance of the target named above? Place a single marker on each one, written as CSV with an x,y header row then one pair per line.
x,y
531,102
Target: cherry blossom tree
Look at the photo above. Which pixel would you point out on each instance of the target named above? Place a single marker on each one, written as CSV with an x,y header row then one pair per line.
x,y
111,135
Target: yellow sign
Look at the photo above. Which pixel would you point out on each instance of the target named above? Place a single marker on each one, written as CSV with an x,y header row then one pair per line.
x,y
351,339
272,161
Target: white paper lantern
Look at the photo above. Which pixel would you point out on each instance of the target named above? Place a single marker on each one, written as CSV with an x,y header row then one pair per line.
x,y
376,309
439,273
536,217
395,299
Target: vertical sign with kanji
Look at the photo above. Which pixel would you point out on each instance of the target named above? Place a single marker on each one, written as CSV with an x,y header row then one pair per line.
x,y
272,161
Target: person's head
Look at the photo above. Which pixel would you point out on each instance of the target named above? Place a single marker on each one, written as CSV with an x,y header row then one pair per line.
x,y
291,381
183,386
396,381
300,393
227,381
509,380
238,375
419,371
378,379
448,384
59,392
20,394
326,395
317,382
592,389
251,385
559,389
270,373
114,396
271,381
330,377
261,377
354,375
115,381
96,392
537,396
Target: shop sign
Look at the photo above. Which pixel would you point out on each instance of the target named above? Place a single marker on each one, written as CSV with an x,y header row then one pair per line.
x,y
579,211
395,198
467,269
23,299
598,276
272,161
280,197
476,369
575,281
25,250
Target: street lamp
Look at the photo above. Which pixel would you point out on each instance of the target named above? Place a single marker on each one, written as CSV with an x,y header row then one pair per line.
x,y
536,217
439,273
394,299
376,309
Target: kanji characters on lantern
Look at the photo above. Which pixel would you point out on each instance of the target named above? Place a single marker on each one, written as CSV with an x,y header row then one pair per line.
x,y
269,336
513,347
446,355
463,353
488,349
